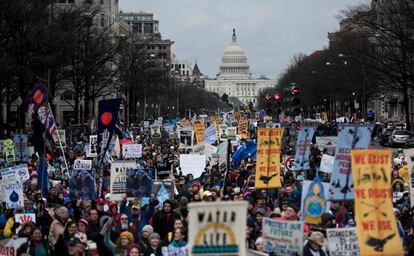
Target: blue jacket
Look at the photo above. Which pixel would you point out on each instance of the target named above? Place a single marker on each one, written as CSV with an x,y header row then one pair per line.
x,y
138,221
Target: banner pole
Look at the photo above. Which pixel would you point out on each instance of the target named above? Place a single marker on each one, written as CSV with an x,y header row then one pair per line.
x,y
61,148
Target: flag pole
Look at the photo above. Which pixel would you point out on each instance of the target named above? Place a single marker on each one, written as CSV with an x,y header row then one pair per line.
x,y
61,148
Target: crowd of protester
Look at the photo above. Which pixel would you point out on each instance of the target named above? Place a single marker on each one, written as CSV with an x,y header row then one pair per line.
x,y
66,226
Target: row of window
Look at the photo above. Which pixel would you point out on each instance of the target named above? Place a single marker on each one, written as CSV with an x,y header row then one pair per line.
x,y
156,47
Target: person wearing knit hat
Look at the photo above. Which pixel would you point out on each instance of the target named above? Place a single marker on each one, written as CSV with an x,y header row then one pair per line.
x,y
125,239
154,245
195,187
144,243
83,225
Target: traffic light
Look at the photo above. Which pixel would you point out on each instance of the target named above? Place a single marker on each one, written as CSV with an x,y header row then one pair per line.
x,y
268,108
295,91
278,104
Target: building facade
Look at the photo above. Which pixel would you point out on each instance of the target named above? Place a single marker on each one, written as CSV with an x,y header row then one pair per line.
x,y
145,30
235,79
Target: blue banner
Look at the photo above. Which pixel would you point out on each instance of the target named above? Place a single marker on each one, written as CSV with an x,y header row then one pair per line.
x,y
349,137
303,145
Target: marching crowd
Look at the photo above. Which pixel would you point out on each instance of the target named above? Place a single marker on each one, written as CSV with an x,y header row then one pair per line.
x,y
67,226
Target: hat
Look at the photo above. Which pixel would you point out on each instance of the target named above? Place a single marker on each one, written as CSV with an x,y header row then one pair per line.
x,y
259,240
82,238
128,235
196,184
84,222
207,193
154,236
300,177
74,241
100,201
261,211
317,237
136,207
294,207
148,228
108,196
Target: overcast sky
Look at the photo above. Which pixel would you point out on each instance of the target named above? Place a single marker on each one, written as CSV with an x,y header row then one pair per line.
x,y
269,31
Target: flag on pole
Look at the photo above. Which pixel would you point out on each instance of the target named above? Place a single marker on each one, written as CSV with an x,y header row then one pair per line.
x,y
37,96
108,114
47,119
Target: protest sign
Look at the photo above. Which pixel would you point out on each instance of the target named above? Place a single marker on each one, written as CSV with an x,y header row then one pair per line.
x,y
186,138
138,183
349,137
282,237
217,228
21,172
243,128
199,149
20,147
82,184
163,190
82,164
409,157
14,195
164,169
62,135
255,253
132,151
223,132
237,116
8,151
9,247
155,131
174,251
314,201
199,130
326,142
93,142
232,133
303,147
377,227
268,157
119,178
326,163
24,217
342,242
192,164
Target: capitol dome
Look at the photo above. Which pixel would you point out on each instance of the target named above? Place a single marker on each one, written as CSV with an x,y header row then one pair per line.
x,y
234,64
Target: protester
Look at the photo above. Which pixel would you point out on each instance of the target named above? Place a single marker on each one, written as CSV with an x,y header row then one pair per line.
x,y
35,246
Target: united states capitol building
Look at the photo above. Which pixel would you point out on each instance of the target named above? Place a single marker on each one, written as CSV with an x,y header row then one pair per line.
x,y
235,78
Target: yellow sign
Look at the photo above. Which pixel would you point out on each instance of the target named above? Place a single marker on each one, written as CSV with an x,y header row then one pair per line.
x,y
199,130
268,158
237,116
216,119
376,225
243,129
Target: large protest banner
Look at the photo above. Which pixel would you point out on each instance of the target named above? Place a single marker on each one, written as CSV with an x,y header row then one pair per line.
x,y
18,173
192,164
349,137
283,237
314,201
409,157
342,242
9,247
217,228
199,130
377,227
20,147
256,253
82,184
119,178
174,251
268,158
138,183
243,129
303,147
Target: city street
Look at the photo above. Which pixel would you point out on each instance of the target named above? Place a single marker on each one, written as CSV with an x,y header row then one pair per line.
x,y
206,127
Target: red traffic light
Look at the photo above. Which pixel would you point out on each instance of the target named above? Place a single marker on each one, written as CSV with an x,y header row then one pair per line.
x,y
295,90
278,97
